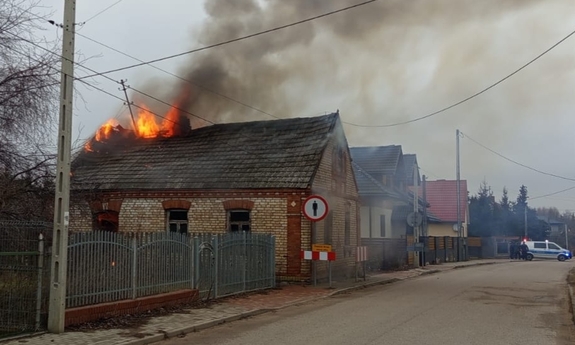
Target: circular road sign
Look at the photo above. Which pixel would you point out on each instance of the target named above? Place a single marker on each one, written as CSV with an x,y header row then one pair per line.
x,y
315,208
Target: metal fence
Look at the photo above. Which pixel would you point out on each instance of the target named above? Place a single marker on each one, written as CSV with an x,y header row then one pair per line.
x,y
106,267
24,274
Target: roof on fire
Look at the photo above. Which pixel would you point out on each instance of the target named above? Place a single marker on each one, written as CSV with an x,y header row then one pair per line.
x,y
248,155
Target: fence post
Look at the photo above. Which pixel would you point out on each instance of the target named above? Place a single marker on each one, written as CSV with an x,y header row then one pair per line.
x,y
245,238
192,261
273,262
134,268
216,264
39,285
196,262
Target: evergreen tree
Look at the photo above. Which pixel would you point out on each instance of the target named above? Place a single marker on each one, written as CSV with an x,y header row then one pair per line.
x,y
481,212
504,216
536,228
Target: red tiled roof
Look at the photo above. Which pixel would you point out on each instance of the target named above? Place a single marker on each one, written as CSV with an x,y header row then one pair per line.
x,y
442,198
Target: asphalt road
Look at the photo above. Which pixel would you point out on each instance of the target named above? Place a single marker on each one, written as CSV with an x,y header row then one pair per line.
x,y
514,303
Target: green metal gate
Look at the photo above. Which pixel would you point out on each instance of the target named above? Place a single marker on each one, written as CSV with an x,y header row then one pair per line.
x,y
24,270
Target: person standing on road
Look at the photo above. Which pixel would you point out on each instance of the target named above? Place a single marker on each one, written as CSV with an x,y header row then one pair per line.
x,y
512,250
524,250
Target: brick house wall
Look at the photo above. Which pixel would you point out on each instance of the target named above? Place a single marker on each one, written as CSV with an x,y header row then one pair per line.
x,y
340,193
145,211
272,211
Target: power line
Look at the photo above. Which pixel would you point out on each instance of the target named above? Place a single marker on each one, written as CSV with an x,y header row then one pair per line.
x,y
234,39
429,172
179,77
554,193
515,162
102,11
137,106
470,97
283,27
115,81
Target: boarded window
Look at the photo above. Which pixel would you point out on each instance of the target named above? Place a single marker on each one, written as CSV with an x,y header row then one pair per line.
x,y
106,221
382,225
177,221
239,220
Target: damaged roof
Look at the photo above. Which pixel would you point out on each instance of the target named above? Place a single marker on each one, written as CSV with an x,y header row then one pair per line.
x,y
248,155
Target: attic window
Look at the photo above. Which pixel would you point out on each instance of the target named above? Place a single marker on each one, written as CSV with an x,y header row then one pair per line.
x,y
177,220
106,221
239,220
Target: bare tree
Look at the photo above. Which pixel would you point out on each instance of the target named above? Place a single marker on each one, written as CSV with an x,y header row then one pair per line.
x,y
29,80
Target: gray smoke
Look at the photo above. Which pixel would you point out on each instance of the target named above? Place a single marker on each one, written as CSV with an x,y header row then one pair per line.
x,y
362,61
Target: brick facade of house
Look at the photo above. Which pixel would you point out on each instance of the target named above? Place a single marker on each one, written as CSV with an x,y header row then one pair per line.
x,y
311,157
272,211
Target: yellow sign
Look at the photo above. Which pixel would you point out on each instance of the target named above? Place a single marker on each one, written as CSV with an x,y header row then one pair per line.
x,y
321,247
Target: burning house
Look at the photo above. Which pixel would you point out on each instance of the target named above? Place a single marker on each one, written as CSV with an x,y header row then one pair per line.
x,y
250,176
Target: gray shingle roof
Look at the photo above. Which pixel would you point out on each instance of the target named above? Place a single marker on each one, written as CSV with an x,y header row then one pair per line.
x,y
248,155
377,159
367,185
409,160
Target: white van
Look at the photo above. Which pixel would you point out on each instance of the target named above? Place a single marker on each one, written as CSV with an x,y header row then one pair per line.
x,y
547,250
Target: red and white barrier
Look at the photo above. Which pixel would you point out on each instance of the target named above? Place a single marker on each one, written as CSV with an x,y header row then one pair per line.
x,y
317,256
361,254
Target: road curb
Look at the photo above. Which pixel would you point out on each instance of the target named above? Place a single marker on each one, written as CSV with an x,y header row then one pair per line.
x,y
162,335
478,264
195,328
572,300
363,286
571,294
213,323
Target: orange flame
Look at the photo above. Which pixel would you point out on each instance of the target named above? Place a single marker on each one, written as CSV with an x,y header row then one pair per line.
x,y
106,129
172,117
146,125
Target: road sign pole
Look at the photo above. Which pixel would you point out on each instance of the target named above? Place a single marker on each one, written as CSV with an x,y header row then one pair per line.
x,y
329,265
313,263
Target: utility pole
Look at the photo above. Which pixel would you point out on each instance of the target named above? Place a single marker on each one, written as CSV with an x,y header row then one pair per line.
x,y
423,181
57,304
458,178
525,222
122,81
566,237
415,215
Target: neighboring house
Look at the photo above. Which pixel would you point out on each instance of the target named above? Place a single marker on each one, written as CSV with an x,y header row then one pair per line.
x,y
383,178
250,176
377,207
556,227
410,160
441,195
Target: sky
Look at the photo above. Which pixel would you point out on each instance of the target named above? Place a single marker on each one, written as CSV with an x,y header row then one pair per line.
x,y
382,63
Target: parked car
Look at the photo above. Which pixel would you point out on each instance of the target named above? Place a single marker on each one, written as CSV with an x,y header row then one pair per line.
x,y
547,250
